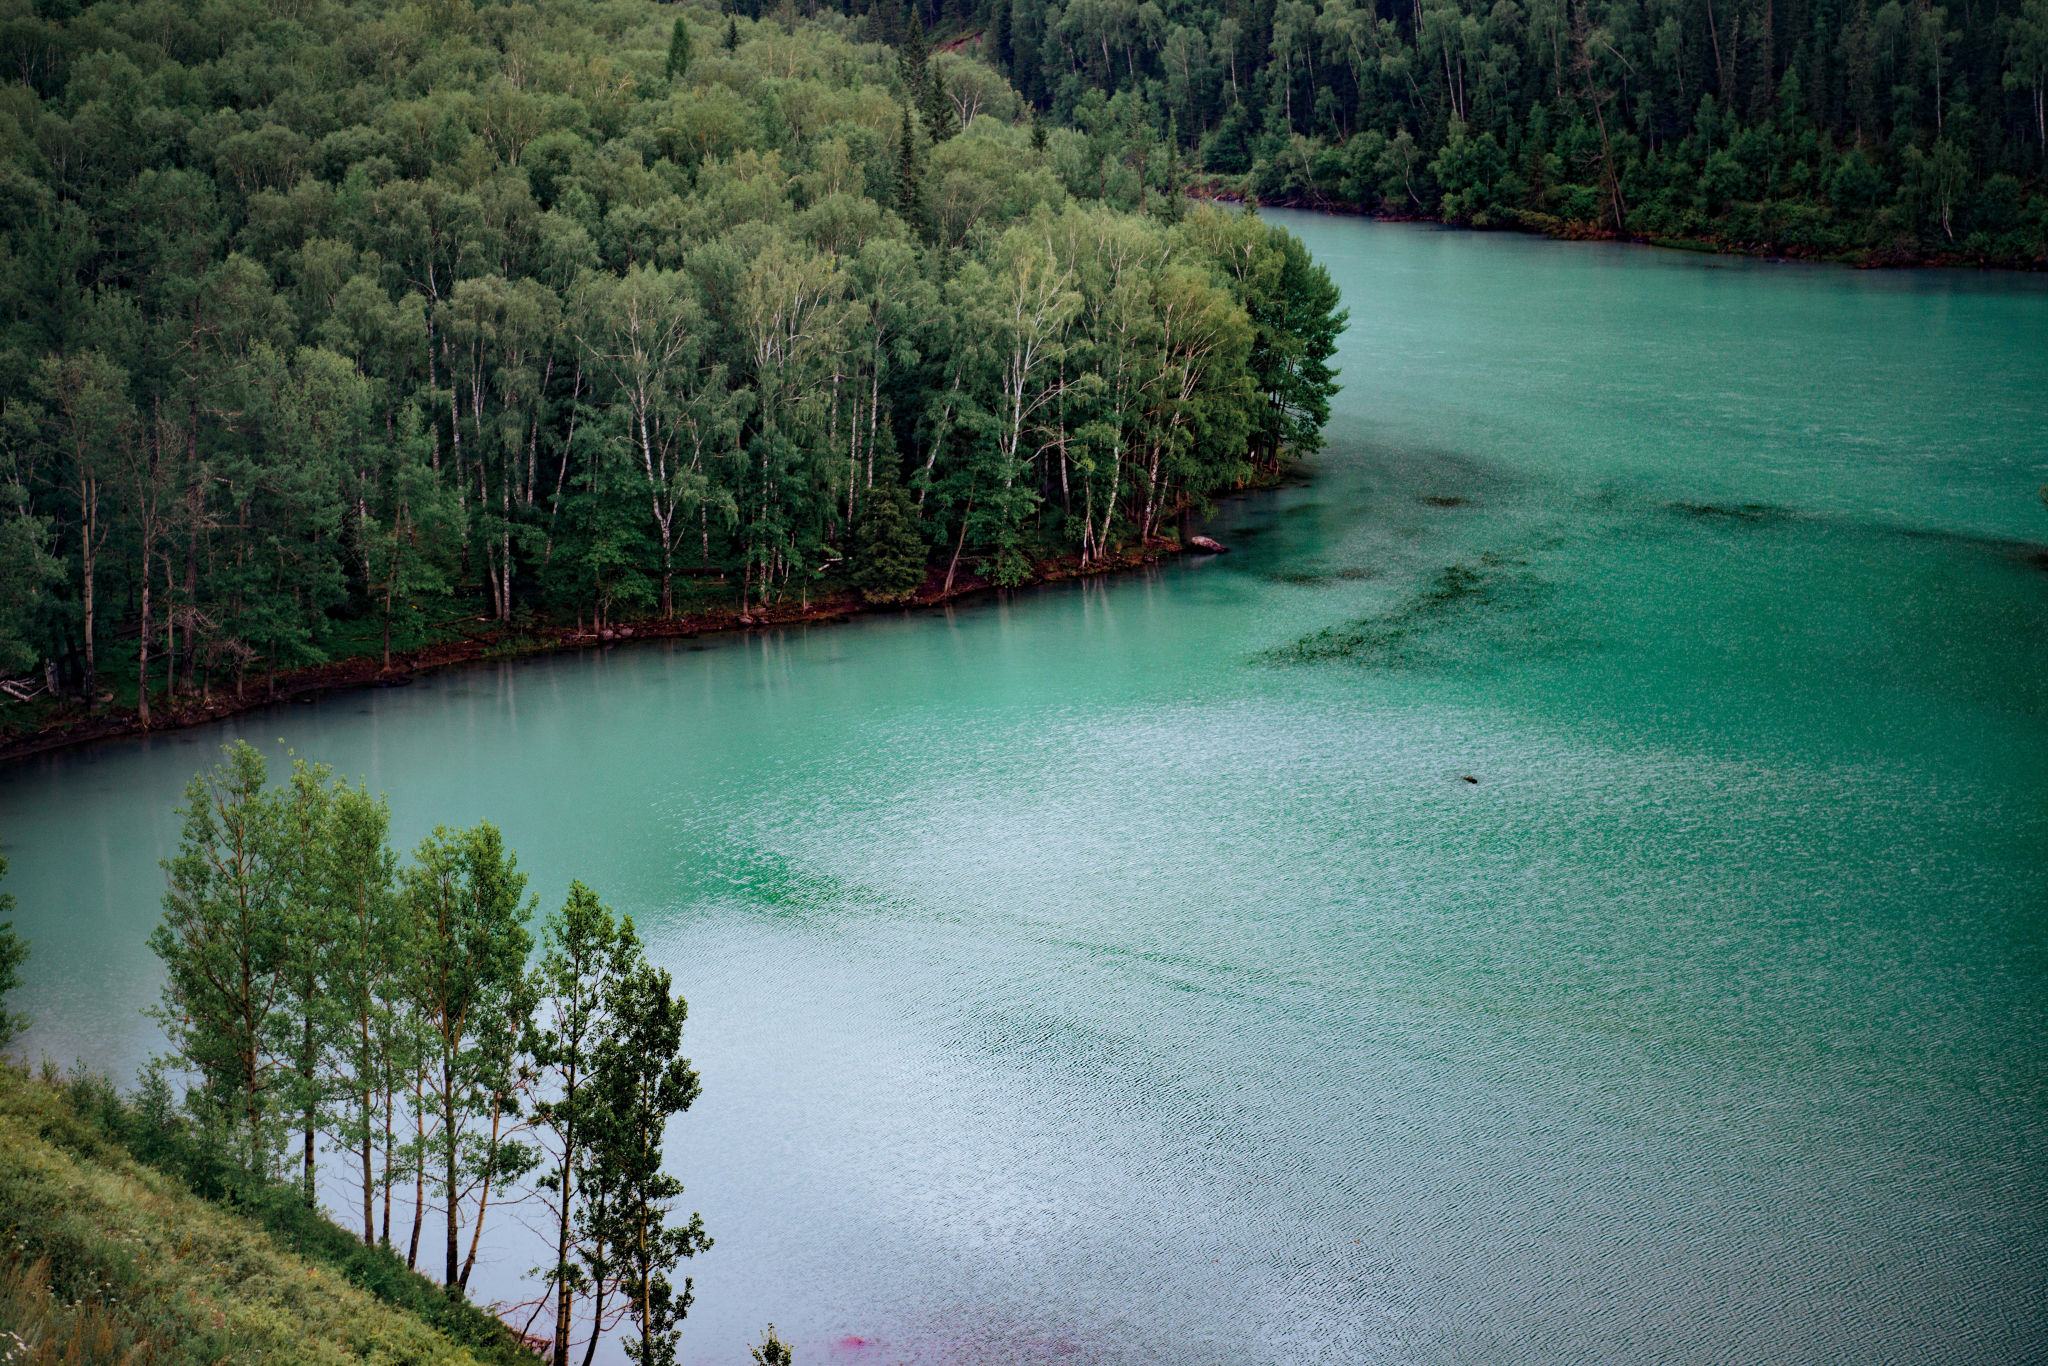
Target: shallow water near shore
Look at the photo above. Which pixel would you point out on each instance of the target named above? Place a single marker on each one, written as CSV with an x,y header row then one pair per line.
x,y
1571,886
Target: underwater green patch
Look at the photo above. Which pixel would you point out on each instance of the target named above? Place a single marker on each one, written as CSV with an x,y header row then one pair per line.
x,y
1350,573
1489,602
1733,512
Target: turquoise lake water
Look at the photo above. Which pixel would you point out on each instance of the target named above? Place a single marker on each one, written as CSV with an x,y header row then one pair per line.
x,y
1127,972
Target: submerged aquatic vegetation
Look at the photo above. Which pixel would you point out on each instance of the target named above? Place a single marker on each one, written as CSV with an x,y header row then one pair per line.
x,y
1348,574
1733,512
1491,598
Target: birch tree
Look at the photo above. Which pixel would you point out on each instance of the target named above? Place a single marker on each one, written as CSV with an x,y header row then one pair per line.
x,y
644,332
1036,303
85,399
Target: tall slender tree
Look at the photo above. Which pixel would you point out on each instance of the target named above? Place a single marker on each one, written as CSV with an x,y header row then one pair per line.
x,y
642,1081
85,397
679,53
223,945
909,177
365,1019
467,980
580,948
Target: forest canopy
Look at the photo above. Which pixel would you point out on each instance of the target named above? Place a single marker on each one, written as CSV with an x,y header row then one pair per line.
x,y
1890,129
326,321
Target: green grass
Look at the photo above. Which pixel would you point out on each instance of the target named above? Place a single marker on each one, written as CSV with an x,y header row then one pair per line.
x,y
107,1259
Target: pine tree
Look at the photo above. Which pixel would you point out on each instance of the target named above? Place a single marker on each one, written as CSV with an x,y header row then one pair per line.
x,y
1000,49
935,109
679,51
909,189
889,556
1037,133
916,51
772,1350
641,1081
732,33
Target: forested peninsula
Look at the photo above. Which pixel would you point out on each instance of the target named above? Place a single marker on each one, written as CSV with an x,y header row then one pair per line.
x,y
341,330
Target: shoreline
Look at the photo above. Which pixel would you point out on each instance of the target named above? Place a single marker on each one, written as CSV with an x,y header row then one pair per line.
x,y
1566,230
497,642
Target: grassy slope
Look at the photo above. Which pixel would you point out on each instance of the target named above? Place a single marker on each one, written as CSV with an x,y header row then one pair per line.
x,y
107,1260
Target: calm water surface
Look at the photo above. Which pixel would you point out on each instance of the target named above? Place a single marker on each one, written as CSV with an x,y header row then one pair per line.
x,y
1127,973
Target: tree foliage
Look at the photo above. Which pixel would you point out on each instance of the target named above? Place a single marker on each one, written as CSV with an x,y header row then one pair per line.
x,y
465,976
317,985
1895,129
641,1081
546,312
679,50
224,944
889,558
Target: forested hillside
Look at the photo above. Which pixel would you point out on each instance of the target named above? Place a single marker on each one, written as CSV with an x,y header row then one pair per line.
x,y
325,323
1894,127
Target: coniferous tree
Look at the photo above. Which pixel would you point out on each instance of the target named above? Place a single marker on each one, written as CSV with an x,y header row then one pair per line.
x,y
772,1350
912,57
889,555
909,178
732,33
935,109
678,50
641,1081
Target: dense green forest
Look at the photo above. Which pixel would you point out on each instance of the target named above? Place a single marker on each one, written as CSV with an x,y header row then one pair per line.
x,y
1892,129
327,322
333,323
